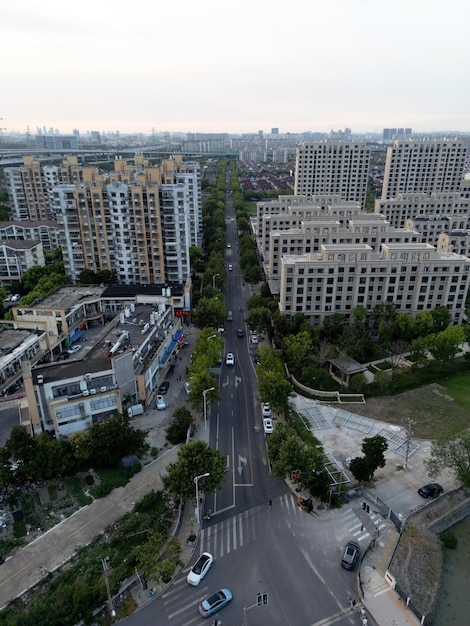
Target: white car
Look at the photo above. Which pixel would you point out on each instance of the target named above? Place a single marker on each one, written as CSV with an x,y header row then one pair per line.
x,y
74,349
160,405
266,409
230,267
229,245
187,387
229,359
254,338
200,569
268,425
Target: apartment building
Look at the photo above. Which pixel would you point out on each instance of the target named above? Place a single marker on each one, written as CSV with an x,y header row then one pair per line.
x,y
365,228
29,187
132,337
43,231
332,168
138,220
423,166
422,205
16,257
340,278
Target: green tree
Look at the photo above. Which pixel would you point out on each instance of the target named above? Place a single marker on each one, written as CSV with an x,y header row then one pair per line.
x,y
210,312
442,317
194,459
275,389
363,468
259,319
452,454
181,421
114,439
445,345
297,348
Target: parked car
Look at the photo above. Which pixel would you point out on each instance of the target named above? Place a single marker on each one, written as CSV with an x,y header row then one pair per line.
x,y
215,602
74,349
266,409
160,404
430,491
187,387
254,338
268,425
164,386
229,359
350,555
200,568
16,297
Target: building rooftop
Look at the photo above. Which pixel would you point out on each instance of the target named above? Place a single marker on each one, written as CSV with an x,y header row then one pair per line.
x,y
66,297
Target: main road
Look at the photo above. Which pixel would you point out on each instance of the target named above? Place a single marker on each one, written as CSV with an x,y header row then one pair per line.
x,y
261,541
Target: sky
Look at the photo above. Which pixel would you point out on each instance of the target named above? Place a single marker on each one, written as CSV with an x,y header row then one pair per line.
x,y
235,67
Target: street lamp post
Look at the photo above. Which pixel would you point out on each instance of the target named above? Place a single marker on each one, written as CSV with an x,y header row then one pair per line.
x,y
196,482
204,393
213,280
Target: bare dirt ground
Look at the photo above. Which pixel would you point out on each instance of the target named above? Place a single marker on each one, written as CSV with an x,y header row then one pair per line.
x,y
433,412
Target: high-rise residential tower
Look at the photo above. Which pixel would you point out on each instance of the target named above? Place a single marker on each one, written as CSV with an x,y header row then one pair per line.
x,y
327,168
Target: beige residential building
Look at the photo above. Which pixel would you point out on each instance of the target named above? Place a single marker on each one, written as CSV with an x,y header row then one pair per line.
x,y
16,257
332,168
422,205
423,166
43,231
342,277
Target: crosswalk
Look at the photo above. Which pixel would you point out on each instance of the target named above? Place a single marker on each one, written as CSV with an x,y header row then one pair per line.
x,y
363,530
229,535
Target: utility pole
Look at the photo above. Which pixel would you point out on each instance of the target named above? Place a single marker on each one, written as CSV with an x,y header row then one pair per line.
x,y
409,432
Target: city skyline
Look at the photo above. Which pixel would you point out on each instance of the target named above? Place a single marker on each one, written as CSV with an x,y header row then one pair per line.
x,y
212,68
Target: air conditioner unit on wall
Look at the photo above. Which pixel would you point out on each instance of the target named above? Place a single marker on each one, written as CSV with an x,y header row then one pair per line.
x,y
103,389
92,391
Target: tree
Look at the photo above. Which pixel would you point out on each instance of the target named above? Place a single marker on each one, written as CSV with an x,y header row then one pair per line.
x,y
442,317
209,312
297,348
363,468
453,454
194,459
181,421
113,439
445,345
275,389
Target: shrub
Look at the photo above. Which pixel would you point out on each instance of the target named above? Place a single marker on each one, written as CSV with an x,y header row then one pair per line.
x,y
449,540
181,421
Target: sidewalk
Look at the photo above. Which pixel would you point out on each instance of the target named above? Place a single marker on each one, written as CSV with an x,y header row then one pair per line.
x,y
381,602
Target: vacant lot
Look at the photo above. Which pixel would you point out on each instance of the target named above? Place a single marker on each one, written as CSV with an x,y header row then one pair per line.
x,y
436,410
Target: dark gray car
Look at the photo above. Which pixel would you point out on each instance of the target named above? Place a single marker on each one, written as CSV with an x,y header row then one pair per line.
x,y
350,556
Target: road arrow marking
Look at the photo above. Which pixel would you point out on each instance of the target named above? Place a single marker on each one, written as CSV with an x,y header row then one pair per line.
x,y
237,381
241,464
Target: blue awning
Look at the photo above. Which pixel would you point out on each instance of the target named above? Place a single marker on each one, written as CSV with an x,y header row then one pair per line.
x,y
75,336
178,335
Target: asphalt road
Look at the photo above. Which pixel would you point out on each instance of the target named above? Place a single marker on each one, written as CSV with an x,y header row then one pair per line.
x,y
277,549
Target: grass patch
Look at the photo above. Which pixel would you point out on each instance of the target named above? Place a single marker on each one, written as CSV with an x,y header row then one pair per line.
x,y
52,491
383,365
436,410
112,478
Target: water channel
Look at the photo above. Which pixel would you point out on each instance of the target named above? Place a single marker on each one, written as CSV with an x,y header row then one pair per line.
x,y
454,597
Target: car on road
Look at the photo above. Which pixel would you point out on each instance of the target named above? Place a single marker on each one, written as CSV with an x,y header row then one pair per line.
x,y
230,267
160,404
268,425
430,491
200,569
350,555
266,409
229,245
74,349
240,332
215,602
165,385
229,359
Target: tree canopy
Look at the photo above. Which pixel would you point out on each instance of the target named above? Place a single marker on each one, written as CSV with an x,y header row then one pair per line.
x,y
194,459
453,454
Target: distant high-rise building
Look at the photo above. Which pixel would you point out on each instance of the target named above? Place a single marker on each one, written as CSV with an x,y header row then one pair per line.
x,y
274,131
330,168
57,142
423,167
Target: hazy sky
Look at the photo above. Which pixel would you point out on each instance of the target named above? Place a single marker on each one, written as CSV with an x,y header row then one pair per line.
x,y
239,66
